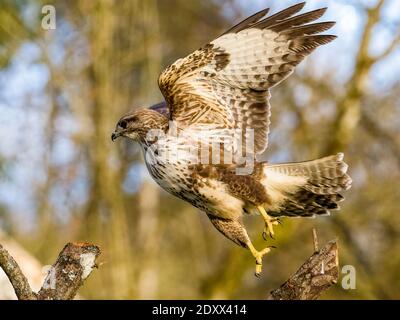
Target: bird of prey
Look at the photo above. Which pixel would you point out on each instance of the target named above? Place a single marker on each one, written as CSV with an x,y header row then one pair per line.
x,y
221,91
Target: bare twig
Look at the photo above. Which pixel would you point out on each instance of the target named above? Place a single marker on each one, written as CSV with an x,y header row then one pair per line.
x,y
74,264
349,105
389,50
315,276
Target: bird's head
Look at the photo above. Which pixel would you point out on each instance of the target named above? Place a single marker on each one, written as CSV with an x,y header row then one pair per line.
x,y
136,125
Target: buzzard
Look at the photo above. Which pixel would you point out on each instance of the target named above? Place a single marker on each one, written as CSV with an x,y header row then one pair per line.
x,y
214,124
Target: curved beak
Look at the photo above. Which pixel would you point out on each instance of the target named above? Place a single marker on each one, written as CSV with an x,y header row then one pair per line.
x,y
115,135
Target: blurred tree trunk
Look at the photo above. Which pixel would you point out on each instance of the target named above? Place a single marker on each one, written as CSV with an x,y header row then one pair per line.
x,y
149,242
349,108
106,217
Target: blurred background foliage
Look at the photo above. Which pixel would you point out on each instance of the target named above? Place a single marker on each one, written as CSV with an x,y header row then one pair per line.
x,y
62,179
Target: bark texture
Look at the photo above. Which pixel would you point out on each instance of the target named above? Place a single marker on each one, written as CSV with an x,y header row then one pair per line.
x,y
74,264
315,276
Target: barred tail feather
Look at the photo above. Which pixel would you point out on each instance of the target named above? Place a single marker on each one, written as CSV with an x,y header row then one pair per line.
x,y
306,188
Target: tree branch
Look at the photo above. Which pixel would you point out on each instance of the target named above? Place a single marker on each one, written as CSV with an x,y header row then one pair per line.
x,y
315,276
389,50
349,105
17,278
74,264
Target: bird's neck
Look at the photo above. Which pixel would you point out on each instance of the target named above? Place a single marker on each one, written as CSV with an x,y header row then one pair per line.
x,y
154,130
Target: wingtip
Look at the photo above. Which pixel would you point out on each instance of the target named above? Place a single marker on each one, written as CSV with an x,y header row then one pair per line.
x,y
298,7
331,37
265,11
327,25
325,38
300,4
248,21
261,14
320,11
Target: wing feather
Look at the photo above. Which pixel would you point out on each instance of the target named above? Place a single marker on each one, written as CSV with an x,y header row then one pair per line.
x,y
281,15
246,23
296,21
226,83
308,29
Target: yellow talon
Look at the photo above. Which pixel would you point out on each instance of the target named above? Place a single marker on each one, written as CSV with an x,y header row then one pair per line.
x,y
269,222
258,255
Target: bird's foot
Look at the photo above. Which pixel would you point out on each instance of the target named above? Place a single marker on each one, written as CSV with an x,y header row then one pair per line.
x,y
269,228
258,255
269,223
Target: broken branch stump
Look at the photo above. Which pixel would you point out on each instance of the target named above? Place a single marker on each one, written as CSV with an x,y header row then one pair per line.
x,y
74,264
315,276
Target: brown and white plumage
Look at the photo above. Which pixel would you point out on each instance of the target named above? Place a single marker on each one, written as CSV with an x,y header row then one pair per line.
x,y
227,82
224,88
315,186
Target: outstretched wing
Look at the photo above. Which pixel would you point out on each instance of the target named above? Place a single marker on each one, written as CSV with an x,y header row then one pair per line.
x,y
226,83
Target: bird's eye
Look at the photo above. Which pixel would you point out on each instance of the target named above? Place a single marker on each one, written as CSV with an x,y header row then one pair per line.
x,y
123,124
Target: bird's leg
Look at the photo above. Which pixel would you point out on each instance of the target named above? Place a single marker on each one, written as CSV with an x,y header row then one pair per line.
x,y
269,223
258,255
234,230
